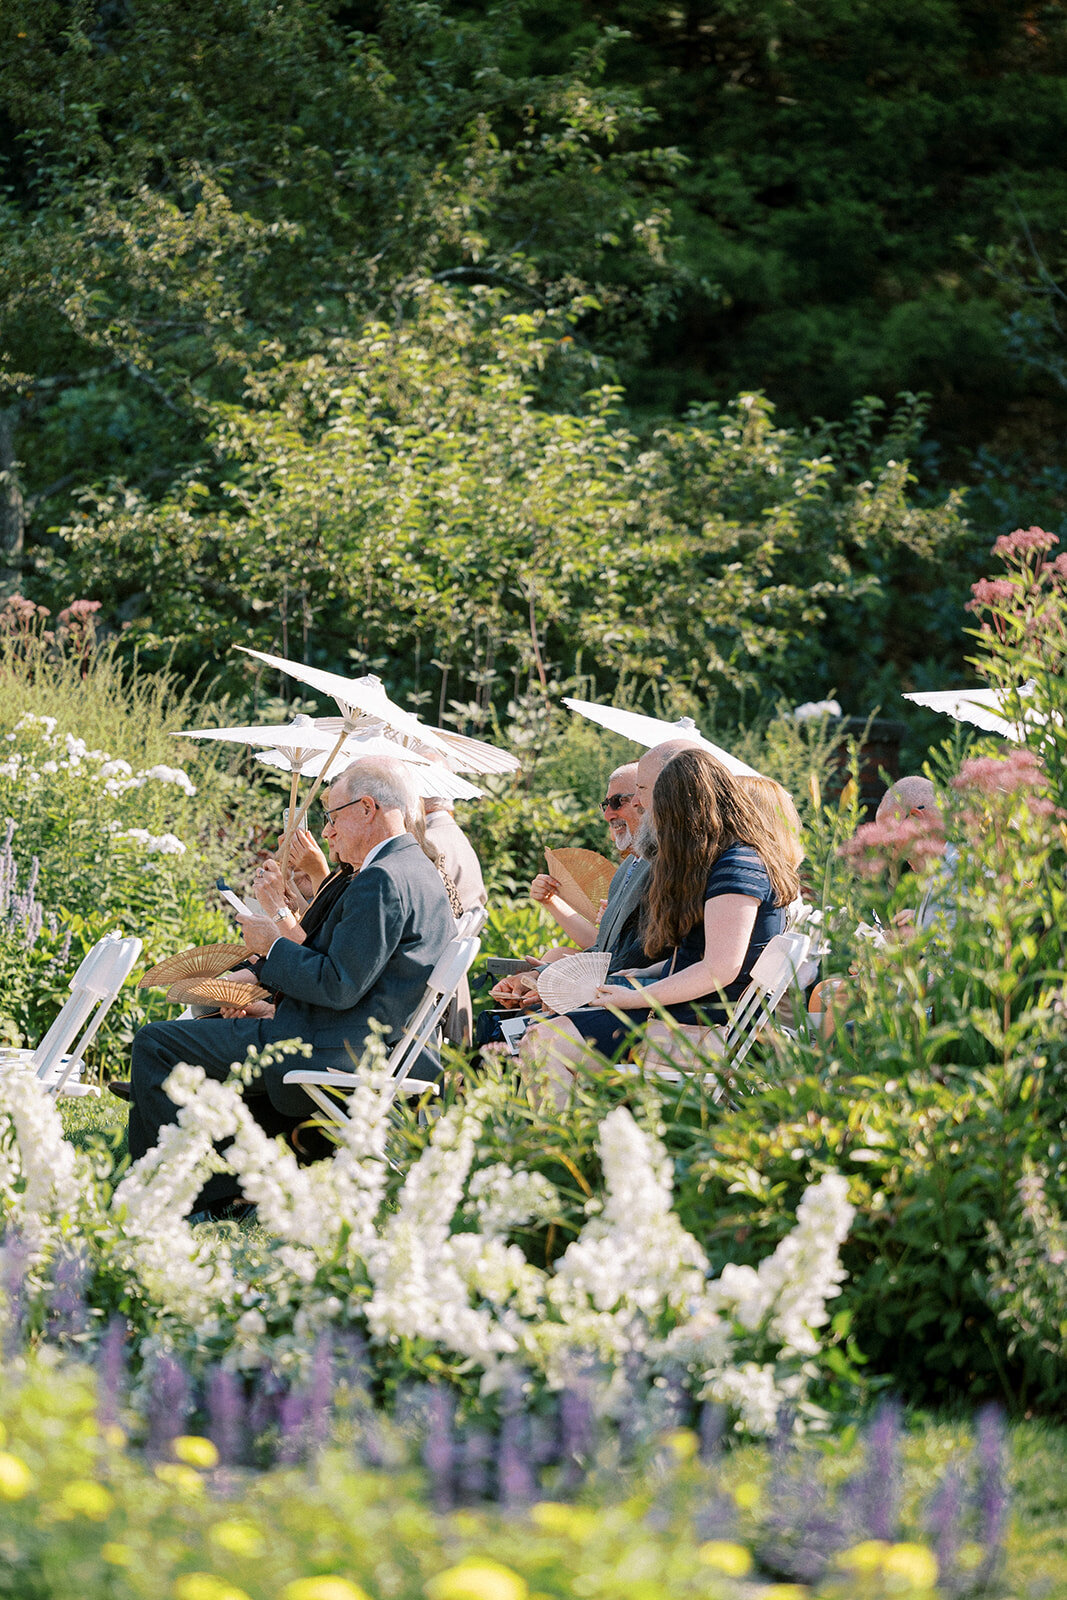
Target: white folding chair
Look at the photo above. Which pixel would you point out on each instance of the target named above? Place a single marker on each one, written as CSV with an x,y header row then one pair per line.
x,y
775,970
471,923
455,962
57,1060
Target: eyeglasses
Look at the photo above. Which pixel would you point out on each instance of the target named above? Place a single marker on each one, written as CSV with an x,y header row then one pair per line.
x,y
329,815
615,802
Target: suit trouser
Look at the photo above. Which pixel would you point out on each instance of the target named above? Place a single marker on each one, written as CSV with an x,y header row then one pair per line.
x,y
215,1043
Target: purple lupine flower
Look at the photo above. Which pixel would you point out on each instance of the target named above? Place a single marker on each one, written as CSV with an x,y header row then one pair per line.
x,y
881,1481
943,1520
264,1405
320,1396
514,1481
991,1495
111,1372
439,1447
292,1427
69,1312
34,919
168,1404
14,1259
226,1408
577,1433
473,1471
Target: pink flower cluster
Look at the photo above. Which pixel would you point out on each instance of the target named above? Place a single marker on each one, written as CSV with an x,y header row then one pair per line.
x,y
877,845
991,592
1001,775
1024,540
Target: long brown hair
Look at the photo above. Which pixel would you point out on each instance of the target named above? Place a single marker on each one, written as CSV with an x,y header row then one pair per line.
x,y
699,811
776,805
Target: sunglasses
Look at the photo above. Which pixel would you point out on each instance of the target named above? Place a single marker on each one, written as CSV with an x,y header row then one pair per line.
x,y
615,802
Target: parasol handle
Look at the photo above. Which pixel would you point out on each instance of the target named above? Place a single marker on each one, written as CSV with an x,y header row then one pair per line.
x,y
316,786
290,827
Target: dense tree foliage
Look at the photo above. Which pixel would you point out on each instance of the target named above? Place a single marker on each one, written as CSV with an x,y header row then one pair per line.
x,y
344,329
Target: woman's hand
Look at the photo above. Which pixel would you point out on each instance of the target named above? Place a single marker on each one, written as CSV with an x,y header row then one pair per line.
x,y
622,996
544,888
306,856
268,885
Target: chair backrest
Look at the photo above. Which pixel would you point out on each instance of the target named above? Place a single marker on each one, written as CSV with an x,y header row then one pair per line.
x,y
455,962
471,922
93,988
774,970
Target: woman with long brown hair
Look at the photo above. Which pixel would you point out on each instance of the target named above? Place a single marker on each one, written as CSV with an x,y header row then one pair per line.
x,y
721,879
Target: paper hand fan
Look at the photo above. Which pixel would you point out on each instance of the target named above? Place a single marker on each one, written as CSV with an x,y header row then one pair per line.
x,y
583,878
571,983
217,991
201,961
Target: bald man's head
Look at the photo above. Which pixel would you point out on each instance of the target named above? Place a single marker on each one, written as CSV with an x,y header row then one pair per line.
x,y
909,794
652,764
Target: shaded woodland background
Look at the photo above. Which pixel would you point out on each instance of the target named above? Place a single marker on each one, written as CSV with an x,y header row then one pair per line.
x,y
690,355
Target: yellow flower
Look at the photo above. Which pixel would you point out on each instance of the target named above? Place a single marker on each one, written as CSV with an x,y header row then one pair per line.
x,y
327,1587
682,1443
866,1557
746,1496
113,1436
116,1555
205,1586
732,1559
238,1537
913,1562
478,1578
180,1477
573,1522
87,1499
16,1479
195,1451
785,1591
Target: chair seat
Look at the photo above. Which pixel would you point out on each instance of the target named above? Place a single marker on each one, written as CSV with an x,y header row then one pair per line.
x,y
349,1080
677,1050
11,1056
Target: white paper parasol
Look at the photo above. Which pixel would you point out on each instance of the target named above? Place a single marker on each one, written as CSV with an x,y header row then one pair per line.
x,y
651,731
299,743
432,779
987,709
465,754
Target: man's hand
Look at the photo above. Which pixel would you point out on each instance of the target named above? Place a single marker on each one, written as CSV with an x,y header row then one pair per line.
x,y
254,1008
544,888
259,933
518,989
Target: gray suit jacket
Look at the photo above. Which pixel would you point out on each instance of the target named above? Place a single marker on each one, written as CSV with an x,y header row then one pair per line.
x,y
620,926
371,956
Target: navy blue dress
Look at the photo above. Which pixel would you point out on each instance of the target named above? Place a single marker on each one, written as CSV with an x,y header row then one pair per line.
x,y
738,870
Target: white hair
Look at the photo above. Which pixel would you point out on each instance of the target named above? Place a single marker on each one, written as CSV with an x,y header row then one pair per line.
x,y
381,778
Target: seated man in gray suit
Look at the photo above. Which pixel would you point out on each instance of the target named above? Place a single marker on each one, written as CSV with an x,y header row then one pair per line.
x,y
369,957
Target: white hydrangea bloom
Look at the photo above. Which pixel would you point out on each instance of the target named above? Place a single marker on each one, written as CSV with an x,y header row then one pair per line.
x,y
173,775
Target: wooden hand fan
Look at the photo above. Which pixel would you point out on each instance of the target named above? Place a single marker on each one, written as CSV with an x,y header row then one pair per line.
x,y
201,961
572,983
583,878
217,991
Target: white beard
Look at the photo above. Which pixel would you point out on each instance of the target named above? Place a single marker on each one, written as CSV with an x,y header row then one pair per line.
x,y
644,840
622,836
